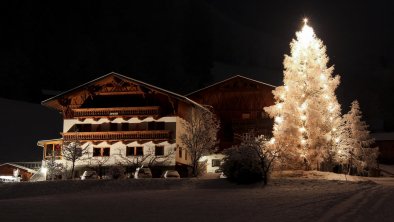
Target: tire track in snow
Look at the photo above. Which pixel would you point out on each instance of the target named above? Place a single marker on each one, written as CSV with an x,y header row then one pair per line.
x,y
349,208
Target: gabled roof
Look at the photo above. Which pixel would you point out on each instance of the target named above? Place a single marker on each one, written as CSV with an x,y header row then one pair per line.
x,y
152,87
20,167
228,79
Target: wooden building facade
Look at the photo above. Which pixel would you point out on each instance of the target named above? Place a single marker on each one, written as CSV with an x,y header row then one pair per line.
x,y
121,119
239,104
385,142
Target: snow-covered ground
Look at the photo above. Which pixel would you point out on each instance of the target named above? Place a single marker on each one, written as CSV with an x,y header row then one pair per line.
x,y
290,196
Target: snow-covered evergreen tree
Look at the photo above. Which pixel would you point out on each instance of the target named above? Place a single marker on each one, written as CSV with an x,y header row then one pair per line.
x,y
359,152
306,112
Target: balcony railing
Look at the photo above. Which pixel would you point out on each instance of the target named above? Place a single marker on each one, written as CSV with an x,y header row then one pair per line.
x,y
119,135
145,111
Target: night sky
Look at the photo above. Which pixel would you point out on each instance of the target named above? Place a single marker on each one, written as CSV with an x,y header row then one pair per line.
x,y
52,46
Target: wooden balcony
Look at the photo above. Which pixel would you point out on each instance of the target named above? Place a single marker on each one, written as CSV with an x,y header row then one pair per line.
x,y
118,135
140,112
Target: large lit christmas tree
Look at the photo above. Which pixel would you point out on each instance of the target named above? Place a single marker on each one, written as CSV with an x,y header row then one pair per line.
x,y
306,112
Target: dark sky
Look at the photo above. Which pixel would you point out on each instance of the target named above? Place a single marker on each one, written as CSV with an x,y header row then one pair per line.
x,y
57,45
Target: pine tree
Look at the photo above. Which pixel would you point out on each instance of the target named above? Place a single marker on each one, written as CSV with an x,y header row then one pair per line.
x,y
359,152
306,110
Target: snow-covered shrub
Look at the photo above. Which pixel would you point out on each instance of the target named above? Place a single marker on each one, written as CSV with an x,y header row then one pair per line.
x,y
250,162
242,165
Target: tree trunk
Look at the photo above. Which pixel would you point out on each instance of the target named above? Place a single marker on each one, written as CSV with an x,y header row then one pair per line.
x,y
72,171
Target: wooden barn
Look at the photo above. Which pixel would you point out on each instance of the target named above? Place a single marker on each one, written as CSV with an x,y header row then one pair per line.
x,y
239,104
385,142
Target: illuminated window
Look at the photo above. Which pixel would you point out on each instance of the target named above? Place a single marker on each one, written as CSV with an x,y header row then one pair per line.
x,y
53,150
245,115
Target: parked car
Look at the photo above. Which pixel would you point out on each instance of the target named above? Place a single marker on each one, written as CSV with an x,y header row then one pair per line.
x,y
142,172
89,174
170,174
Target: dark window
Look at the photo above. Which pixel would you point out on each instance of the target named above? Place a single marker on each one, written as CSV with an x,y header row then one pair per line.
x,y
159,151
125,126
180,152
129,151
113,127
96,151
156,126
215,162
151,125
86,128
159,126
139,151
106,151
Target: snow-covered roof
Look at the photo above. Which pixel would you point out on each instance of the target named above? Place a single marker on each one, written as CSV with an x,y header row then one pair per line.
x,y
383,136
42,142
20,167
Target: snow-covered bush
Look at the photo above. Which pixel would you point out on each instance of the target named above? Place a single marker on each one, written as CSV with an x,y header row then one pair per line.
x,y
242,165
249,162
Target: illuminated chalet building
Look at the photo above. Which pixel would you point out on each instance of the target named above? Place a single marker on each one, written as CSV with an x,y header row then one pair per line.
x,y
119,118
239,104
